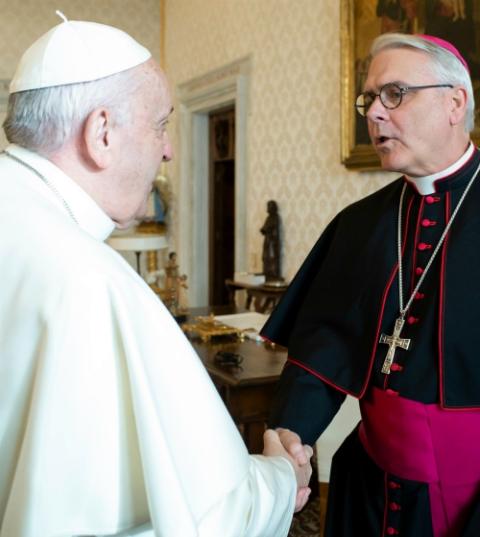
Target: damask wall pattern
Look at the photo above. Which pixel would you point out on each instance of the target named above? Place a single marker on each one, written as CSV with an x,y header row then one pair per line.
x,y
294,123
22,22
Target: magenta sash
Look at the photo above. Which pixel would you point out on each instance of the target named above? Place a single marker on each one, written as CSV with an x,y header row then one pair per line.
x,y
426,443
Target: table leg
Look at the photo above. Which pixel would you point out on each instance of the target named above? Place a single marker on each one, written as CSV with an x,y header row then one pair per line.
x,y
253,436
138,254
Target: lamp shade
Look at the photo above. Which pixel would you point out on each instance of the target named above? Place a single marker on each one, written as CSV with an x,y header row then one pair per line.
x,y
138,242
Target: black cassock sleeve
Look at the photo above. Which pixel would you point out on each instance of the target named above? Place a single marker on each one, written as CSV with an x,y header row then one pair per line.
x,y
304,404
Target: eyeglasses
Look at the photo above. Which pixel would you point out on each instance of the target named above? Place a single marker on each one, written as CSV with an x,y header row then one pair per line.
x,y
390,94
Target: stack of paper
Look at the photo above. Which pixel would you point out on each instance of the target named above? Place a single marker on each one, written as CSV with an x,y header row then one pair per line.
x,y
251,322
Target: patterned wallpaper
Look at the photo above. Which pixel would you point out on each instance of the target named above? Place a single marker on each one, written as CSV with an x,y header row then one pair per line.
x,y
23,21
294,122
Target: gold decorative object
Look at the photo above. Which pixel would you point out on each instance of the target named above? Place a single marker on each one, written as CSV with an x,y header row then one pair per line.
x,y
173,292
150,226
207,327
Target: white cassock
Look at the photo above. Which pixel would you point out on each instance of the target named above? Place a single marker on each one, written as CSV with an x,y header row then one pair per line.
x,y
108,419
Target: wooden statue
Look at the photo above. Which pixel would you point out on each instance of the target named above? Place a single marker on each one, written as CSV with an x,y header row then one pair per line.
x,y
271,244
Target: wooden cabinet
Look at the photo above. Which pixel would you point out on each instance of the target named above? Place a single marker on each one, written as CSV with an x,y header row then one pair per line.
x,y
247,390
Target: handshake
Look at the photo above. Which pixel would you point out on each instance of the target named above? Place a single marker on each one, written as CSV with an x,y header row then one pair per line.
x,y
286,443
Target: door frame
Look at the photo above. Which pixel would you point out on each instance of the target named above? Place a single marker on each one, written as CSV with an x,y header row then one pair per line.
x,y
197,98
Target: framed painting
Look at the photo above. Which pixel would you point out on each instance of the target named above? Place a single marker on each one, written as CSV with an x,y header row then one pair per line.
x,y
4,83
361,21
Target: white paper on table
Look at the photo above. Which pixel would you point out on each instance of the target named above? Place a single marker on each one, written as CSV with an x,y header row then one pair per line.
x,y
251,322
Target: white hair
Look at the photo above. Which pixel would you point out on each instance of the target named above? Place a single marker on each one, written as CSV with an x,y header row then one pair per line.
x,y
446,67
44,119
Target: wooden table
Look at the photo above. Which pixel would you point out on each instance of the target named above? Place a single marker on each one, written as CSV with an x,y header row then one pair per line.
x,y
247,390
264,297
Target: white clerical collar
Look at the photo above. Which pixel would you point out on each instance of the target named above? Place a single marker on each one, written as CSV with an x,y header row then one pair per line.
x,y
426,185
87,213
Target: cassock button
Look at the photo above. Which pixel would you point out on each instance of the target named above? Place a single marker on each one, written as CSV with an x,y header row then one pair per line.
x,y
419,271
432,199
426,222
393,484
392,531
424,246
393,506
396,367
412,320
419,296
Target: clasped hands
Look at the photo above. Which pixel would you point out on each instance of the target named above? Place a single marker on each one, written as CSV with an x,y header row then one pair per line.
x,y
286,443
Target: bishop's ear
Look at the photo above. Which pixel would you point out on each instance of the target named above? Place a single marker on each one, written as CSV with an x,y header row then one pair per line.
x,y
98,136
458,105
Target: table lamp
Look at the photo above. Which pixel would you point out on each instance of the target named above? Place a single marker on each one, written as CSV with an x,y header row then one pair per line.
x,y
138,243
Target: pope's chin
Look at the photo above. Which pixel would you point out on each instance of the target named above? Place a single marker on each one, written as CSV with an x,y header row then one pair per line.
x,y
131,219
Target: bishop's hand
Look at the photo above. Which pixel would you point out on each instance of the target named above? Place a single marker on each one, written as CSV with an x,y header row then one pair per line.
x,y
275,446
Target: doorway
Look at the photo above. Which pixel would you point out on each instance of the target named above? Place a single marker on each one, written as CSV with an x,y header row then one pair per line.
x,y
215,91
222,203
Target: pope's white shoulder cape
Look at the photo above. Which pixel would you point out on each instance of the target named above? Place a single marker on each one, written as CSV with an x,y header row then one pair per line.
x,y
107,416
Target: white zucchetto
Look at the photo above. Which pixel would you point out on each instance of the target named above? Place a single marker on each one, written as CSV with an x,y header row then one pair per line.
x,y
76,51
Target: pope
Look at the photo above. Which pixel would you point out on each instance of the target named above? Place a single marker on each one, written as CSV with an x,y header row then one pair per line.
x,y
96,436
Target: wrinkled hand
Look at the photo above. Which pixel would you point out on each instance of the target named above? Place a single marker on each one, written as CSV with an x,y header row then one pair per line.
x,y
293,444
274,446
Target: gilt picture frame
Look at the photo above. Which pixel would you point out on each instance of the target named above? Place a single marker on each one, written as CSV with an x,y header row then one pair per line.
x,y
363,20
4,84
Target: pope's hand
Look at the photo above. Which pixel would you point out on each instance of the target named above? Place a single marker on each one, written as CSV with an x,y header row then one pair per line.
x,y
274,446
293,444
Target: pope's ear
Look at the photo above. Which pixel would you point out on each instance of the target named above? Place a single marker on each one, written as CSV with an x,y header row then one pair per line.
x,y
98,137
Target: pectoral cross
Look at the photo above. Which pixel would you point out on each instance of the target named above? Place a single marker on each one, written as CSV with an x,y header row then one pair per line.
x,y
393,342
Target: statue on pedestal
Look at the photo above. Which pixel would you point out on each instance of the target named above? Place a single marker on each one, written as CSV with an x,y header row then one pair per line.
x,y
271,244
175,283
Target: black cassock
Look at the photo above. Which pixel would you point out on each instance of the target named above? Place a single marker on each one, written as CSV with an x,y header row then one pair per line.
x,y
344,297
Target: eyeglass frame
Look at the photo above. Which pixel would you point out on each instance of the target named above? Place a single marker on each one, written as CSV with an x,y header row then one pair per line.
x,y
402,89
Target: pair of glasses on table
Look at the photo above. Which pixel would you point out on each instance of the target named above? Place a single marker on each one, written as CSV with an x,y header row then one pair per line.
x,y
228,359
391,96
